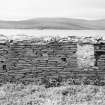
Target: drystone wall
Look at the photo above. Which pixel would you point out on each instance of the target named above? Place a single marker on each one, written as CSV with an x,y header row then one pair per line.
x,y
24,60
28,60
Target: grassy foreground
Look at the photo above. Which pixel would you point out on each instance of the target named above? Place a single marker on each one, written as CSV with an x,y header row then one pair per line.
x,y
19,94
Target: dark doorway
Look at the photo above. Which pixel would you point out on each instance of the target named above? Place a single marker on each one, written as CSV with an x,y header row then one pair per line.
x,y
5,68
97,56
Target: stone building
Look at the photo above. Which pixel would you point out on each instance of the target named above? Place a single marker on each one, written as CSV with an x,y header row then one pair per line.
x,y
27,60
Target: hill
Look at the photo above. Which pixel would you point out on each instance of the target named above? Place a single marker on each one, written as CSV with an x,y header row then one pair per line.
x,y
55,23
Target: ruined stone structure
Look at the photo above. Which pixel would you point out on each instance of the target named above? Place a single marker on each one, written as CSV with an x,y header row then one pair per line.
x,y
28,60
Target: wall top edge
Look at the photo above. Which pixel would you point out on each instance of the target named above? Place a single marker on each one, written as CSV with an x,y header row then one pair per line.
x,y
45,40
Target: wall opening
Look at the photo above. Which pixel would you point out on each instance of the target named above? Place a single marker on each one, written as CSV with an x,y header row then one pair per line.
x,y
97,57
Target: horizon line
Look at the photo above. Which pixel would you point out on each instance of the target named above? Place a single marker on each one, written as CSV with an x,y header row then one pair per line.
x,y
79,18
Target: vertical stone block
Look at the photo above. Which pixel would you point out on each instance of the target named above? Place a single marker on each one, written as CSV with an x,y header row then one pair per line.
x,y
85,55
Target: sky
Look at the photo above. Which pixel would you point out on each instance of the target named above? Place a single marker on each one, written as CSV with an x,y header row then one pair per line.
x,y
27,9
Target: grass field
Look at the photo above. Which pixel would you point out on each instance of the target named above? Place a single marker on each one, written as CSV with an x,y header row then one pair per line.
x,y
19,94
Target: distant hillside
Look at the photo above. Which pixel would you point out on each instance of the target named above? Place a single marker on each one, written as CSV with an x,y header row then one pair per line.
x,y
55,23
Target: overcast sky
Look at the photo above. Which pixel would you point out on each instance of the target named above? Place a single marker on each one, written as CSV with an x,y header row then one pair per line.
x,y
25,9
